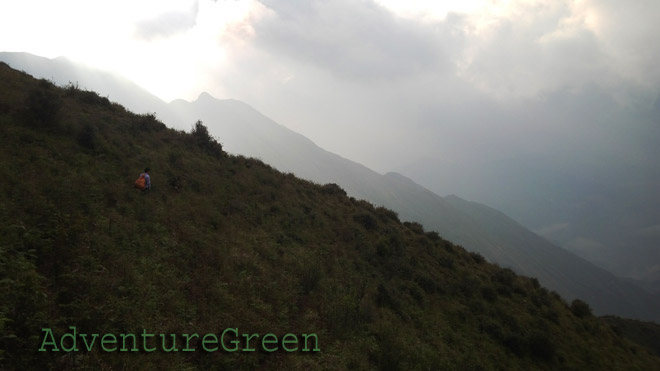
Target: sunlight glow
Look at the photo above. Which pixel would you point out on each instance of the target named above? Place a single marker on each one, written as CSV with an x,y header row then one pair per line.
x,y
105,36
175,48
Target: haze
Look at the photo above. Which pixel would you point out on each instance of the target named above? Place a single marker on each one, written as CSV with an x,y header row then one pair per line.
x,y
546,110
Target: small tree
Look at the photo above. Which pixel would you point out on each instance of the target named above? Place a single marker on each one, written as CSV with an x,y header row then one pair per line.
x,y
42,106
580,309
87,137
200,132
204,140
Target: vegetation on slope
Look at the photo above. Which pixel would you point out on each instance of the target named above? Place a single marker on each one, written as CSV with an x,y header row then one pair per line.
x,y
641,332
226,241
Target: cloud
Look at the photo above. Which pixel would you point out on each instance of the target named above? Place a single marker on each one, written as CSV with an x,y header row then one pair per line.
x,y
511,51
475,89
351,40
168,23
481,104
552,45
628,34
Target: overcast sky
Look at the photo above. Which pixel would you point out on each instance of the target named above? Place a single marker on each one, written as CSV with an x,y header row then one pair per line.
x,y
395,85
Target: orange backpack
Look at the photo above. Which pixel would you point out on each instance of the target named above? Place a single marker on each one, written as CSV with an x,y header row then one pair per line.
x,y
141,183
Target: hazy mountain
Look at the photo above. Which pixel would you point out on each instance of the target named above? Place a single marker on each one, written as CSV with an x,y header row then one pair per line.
x,y
63,72
479,228
243,130
533,255
598,206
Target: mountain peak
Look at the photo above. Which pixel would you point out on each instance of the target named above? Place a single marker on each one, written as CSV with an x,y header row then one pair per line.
x,y
203,96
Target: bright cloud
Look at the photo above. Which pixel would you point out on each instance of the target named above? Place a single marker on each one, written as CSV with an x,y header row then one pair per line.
x,y
509,49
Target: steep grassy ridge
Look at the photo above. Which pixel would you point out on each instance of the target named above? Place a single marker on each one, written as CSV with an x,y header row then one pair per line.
x,y
478,228
228,242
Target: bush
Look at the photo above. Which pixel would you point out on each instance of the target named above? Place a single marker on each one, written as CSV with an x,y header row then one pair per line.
x,y
493,329
478,258
204,140
87,137
427,283
332,189
415,227
86,96
310,275
551,315
149,123
580,308
541,347
489,293
535,282
366,220
385,299
42,106
515,343
386,214
505,276
434,236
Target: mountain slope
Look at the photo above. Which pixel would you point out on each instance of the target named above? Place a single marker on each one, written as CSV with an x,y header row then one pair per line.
x,y
478,228
244,130
228,242
558,268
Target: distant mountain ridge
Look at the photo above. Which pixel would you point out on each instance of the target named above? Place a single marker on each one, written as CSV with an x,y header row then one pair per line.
x,y
62,71
243,130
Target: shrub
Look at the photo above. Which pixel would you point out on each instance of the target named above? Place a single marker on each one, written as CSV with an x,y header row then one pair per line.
x,y
149,123
551,315
310,275
42,106
366,220
515,343
504,276
86,96
427,283
416,293
478,258
489,293
415,227
535,282
492,328
204,140
332,189
382,250
445,261
175,182
386,214
87,137
580,308
385,299
541,347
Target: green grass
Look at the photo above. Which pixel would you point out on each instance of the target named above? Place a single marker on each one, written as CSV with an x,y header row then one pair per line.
x,y
226,241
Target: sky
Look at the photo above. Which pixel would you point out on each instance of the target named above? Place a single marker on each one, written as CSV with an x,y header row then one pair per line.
x,y
345,72
539,107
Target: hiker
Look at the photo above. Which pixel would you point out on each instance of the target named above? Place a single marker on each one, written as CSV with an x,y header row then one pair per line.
x,y
143,182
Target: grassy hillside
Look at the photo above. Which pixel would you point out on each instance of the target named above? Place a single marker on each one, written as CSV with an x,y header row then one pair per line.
x,y
228,242
640,332
476,227
243,130
557,268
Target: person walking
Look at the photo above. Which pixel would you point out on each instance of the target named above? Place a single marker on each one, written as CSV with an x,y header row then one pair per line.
x,y
143,182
